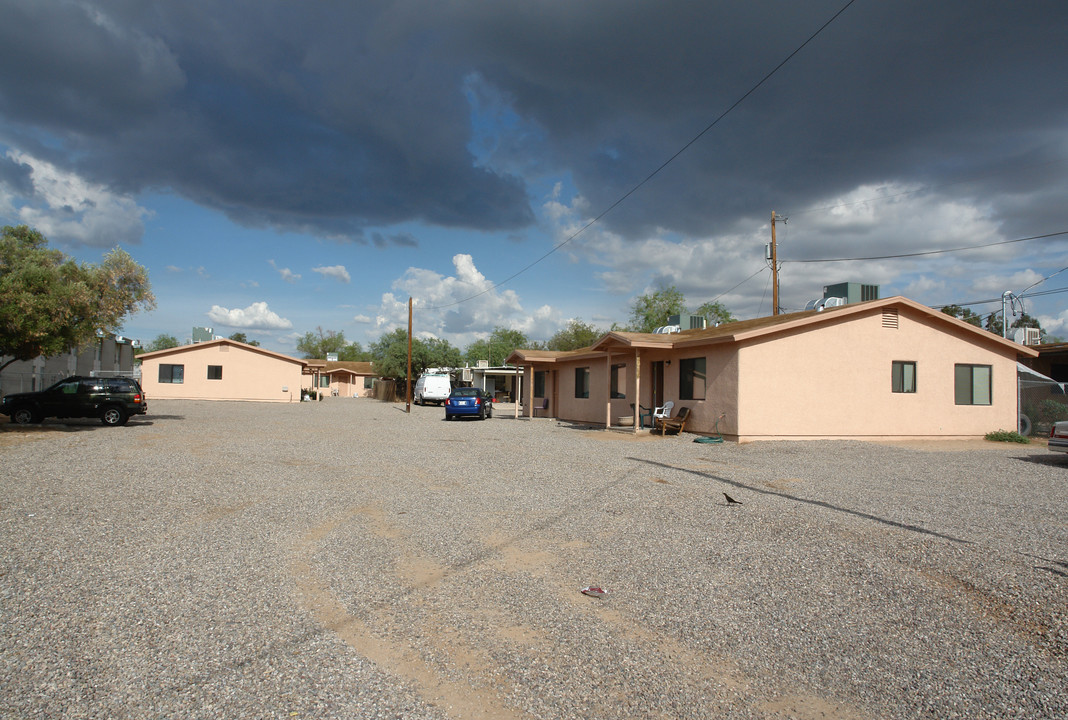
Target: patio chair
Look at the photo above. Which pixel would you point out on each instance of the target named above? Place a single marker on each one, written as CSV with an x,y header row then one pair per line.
x,y
677,423
644,414
664,411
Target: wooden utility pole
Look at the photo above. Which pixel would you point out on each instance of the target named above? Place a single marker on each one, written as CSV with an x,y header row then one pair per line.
x,y
774,270
408,387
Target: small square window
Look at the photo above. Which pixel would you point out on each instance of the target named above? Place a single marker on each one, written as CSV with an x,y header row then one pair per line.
x,y
903,376
972,384
214,372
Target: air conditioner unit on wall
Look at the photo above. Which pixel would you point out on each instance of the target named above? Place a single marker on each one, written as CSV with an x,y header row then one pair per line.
x,y
466,375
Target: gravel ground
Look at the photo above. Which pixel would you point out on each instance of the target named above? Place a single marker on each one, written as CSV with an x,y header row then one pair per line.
x,y
344,559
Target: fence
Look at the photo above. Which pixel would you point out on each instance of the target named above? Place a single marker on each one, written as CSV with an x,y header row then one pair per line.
x,y
1042,403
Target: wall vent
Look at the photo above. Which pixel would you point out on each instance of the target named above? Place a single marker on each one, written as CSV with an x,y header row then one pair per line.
x,y
890,318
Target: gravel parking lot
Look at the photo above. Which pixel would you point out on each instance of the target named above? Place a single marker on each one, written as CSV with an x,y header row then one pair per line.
x,y
345,559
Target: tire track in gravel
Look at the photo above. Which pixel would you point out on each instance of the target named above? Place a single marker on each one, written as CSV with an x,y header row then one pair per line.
x,y
455,698
474,686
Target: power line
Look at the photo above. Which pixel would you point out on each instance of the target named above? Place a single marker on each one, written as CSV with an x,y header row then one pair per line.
x,y
998,299
930,252
655,172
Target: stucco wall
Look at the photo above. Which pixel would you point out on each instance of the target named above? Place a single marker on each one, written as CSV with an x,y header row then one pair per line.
x,y
836,382
720,394
246,375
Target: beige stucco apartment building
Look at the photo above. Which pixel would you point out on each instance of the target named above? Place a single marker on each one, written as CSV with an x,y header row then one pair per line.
x,y
223,370
344,378
882,369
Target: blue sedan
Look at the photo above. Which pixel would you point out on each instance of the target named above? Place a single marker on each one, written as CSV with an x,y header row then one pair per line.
x,y
468,401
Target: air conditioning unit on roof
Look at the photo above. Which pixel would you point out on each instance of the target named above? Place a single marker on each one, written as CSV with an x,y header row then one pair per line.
x,y
1027,336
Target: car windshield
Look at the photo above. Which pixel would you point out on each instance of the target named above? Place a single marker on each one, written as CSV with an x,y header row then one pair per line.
x,y
465,392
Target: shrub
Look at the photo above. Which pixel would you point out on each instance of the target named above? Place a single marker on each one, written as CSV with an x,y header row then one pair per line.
x,y
1007,436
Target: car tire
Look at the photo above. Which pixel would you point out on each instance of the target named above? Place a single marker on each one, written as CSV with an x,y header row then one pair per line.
x,y
24,416
113,416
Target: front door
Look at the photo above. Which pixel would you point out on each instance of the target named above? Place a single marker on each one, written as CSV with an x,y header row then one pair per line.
x,y
658,383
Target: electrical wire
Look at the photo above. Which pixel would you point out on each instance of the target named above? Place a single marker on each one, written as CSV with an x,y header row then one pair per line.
x,y
929,252
988,301
655,172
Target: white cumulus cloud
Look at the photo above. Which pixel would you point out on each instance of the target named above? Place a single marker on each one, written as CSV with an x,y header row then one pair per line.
x,y
67,208
288,275
256,316
337,272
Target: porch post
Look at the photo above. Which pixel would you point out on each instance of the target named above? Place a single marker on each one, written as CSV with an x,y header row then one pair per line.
x,y
637,388
608,387
528,378
517,382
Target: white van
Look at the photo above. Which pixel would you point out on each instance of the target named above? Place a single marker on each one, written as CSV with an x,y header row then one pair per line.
x,y
432,387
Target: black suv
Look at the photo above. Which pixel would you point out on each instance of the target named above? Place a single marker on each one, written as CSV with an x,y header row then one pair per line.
x,y
113,400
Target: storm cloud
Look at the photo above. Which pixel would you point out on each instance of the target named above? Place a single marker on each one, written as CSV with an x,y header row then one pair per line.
x,y
337,117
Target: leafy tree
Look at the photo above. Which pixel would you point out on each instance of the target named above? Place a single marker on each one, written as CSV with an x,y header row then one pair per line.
x,y
715,312
650,311
162,342
316,345
965,314
498,346
242,338
390,354
49,303
441,353
576,335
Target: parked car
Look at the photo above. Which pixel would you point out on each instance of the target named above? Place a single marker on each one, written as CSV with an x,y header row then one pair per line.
x,y
469,401
113,400
1058,436
432,387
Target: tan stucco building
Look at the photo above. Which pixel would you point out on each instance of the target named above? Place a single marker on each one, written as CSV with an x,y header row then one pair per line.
x,y
223,370
882,369
344,378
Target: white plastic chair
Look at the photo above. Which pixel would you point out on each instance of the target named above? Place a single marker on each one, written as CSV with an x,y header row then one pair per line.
x,y
663,412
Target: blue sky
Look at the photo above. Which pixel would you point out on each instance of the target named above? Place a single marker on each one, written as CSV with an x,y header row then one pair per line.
x,y
279,167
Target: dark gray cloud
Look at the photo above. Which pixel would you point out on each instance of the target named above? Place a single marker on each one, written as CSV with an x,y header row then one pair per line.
x,y
15,177
336,116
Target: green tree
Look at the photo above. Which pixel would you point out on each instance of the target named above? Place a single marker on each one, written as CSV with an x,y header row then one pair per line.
x,y
498,346
715,312
162,342
242,338
650,311
576,335
390,354
442,354
49,303
317,345
965,314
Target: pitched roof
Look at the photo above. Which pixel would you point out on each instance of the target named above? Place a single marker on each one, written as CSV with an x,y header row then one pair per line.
x,y
746,329
222,341
350,366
